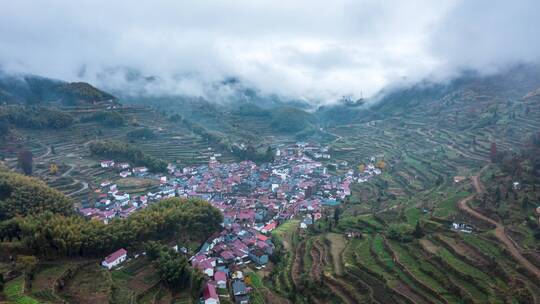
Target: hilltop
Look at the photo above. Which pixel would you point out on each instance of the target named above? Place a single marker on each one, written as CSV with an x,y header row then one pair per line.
x,y
32,89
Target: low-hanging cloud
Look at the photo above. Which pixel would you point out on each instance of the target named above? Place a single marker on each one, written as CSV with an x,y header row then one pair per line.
x,y
310,50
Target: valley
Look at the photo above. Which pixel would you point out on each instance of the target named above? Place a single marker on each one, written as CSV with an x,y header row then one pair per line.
x,y
387,205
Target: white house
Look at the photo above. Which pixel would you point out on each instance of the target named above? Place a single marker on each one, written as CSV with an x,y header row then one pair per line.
x,y
107,163
123,166
105,184
115,258
140,170
125,174
120,196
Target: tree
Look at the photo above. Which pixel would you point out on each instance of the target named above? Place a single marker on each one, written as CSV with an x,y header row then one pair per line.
x,y
337,213
394,234
381,164
418,231
361,168
493,154
525,202
196,284
53,169
141,133
27,264
172,267
4,126
497,194
25,161
269,155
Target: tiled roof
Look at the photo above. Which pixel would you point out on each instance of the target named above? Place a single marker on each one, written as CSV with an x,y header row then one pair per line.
x,y
115,255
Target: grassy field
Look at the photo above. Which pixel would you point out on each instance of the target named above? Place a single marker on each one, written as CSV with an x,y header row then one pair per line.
x,y
14,291
90,284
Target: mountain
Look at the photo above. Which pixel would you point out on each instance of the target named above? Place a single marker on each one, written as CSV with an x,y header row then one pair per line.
x,y
468,93
32,89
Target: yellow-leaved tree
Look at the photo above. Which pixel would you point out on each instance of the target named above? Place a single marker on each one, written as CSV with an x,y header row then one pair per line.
x,y
361,168
53,168
380,164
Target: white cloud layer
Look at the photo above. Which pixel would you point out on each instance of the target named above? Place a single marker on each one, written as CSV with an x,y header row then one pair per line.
x,y
312,50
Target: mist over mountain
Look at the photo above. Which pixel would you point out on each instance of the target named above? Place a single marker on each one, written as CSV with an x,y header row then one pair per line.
x,y
34,89
348,151
308,51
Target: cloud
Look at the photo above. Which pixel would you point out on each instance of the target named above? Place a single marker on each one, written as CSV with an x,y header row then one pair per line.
x,y
487,35
312,50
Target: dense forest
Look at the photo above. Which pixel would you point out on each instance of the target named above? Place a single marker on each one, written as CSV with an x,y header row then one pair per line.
x,y
32,89
45,220
106,118
55,234
141,133
174,268
35,117
22,195
291,120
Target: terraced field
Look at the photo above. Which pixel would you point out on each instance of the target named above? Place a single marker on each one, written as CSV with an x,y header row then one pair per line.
x,y
79,173
424,150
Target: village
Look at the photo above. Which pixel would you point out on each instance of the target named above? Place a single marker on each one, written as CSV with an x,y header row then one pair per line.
x,y
254,200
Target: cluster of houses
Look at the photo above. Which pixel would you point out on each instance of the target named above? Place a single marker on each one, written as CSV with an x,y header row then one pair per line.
x,y
112,203
124,167
224,256
254,199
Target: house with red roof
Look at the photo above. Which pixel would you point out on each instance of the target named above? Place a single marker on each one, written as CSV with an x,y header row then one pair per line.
x,y
210,295
206,267
269,227
221,279
261,237
227,256
114,259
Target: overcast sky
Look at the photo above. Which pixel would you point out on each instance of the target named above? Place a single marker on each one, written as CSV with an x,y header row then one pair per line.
x,y
315,50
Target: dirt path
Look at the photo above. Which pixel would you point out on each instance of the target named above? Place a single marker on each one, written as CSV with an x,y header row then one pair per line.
x,y
298,264
68,171
47,153
84,187
500,233
337,245
338,137
316,267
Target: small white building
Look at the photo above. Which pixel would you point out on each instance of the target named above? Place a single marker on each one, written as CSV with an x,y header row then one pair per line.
x,y
121,196
123,166
140,170
114,259
125,174
107,163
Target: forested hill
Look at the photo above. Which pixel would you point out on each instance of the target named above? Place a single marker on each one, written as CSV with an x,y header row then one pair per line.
x,y
42,217
32,89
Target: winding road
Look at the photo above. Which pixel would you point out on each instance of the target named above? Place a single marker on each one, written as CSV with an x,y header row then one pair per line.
x,y
500,233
